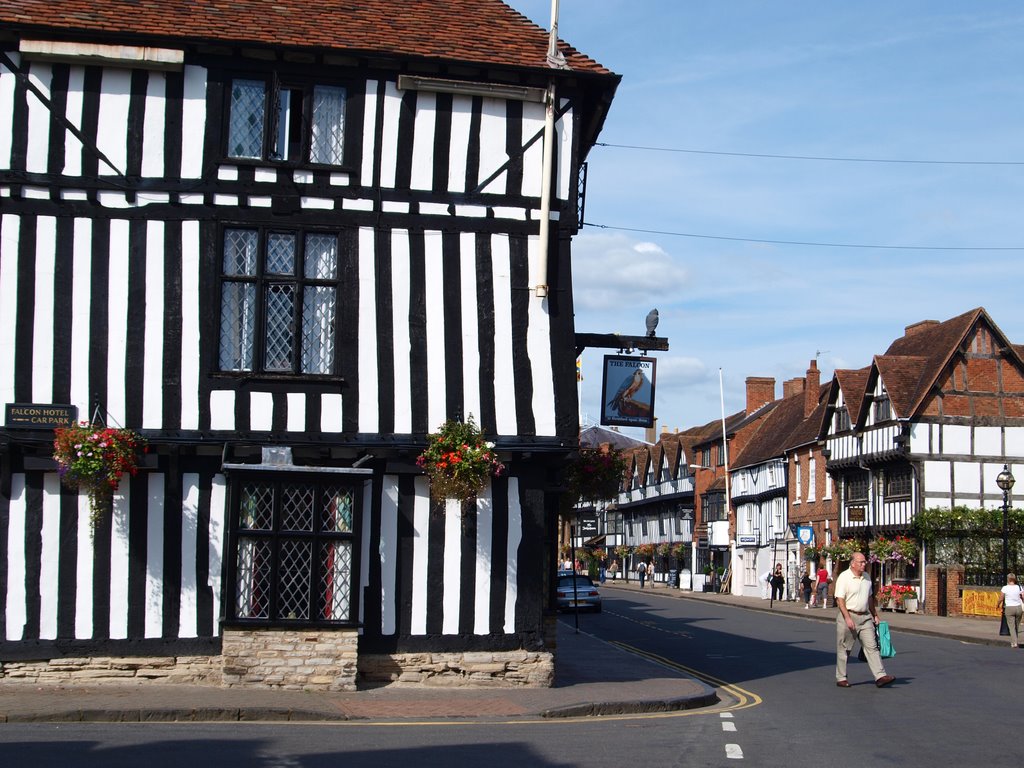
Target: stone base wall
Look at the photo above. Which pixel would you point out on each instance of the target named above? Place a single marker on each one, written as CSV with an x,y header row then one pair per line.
x,y
498,669
188,670
299,660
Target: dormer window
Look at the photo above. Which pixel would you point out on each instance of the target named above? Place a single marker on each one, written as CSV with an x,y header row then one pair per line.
x,y
883,408
842,419
286,121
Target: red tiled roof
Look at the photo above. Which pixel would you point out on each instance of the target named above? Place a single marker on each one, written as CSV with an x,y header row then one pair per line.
x,y
902,377
852,384
934,345
486,32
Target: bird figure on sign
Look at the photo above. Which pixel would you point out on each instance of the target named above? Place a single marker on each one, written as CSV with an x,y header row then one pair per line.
x,y
652,322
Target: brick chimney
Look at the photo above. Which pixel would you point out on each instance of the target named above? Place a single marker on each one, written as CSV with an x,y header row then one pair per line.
x,y
812,389
792,387
914,328
760,391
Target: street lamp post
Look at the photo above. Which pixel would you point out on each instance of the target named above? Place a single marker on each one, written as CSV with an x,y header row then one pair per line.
x,y
1005,482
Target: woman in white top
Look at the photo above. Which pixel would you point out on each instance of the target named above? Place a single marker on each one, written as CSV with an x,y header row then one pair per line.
x,y
1011,604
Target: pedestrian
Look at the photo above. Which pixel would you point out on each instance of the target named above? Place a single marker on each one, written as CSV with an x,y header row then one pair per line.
x,y
613,569
766,583
650,573
806,585
641,572
1011,604
822,586
778,582
857,619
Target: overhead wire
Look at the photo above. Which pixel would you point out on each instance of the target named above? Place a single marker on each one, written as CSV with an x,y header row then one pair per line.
x,y
807,242
819,158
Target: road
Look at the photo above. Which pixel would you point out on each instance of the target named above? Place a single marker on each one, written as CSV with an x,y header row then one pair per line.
x,y
952,704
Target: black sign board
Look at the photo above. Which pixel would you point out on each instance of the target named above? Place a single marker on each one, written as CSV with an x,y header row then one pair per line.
x,y
855,514
40,415
702,542
588,525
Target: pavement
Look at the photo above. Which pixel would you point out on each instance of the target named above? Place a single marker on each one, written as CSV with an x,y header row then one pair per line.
x,y
592,678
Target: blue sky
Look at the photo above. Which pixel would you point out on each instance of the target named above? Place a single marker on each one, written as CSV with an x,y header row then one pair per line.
x,y
924,81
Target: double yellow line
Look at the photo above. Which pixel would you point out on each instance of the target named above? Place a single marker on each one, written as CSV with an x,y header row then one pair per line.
x,y
744,699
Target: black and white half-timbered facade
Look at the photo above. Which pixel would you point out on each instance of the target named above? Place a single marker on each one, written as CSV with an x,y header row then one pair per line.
x,y
284,246
930,423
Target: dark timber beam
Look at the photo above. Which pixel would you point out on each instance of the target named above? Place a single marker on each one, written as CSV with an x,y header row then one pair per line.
x,y
618,341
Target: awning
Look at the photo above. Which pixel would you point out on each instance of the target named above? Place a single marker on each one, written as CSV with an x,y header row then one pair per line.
x,y
594,541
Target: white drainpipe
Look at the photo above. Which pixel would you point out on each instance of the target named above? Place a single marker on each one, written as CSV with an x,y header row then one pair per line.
x,y
555,60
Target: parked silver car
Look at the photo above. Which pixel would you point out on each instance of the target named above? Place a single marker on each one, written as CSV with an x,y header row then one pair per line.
x,y
584,594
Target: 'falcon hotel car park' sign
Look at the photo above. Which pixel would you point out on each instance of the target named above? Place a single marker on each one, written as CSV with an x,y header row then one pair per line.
x,y
39,416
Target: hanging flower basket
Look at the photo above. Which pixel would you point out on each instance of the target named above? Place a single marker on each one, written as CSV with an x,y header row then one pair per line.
x,y
623,551
644,550
595,476
93,459
811,553
458,461
842,550
900,548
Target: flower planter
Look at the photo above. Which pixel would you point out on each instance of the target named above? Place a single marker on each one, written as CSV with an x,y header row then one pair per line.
x,y
458,461
910,605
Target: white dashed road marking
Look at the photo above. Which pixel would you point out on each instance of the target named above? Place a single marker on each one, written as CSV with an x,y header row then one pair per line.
x,y
728,726
733,752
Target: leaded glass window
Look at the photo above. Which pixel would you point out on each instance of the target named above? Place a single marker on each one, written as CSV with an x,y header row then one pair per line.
x,y
287,121
294,549
279,300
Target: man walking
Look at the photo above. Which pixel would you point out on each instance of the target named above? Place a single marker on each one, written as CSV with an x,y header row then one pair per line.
x,y
856,620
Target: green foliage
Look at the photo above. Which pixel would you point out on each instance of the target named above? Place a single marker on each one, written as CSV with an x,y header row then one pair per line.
x,y
93,459
595,476
843,549
458,461
898,548
966,521
970,536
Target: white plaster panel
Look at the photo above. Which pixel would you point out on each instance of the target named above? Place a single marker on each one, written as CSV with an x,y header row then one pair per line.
x,y
966,478
956,439
988,441
936,477
330,412
261,411
154,130
222,409
1014,441
369,392
154,620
